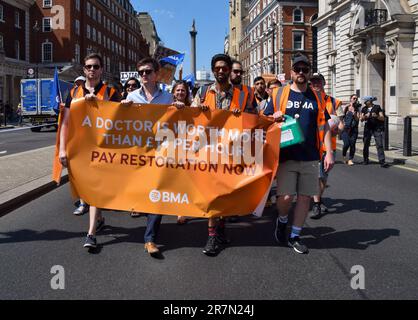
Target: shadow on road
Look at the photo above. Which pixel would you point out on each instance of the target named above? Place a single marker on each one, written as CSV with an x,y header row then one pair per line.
x,y
248,232
337,206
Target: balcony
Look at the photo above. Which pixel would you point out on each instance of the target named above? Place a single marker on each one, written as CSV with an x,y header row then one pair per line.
x,y
375,17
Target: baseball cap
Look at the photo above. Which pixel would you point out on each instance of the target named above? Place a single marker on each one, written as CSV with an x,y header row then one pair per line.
x,y
80,78
318,76
301,58
369,98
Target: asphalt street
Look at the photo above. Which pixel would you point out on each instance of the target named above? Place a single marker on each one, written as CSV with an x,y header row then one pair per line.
x,y
372,223
23,139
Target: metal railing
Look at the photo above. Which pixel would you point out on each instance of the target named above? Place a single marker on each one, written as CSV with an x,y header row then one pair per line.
x,y
375,17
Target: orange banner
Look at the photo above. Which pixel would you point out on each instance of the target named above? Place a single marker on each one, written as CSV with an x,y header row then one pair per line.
x,y
158,159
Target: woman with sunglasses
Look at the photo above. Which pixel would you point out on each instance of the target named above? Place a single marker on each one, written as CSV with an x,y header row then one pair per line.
x,y
131,85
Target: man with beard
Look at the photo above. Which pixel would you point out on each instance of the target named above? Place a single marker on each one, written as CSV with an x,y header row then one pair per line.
x,y
260,93
220,95
298,171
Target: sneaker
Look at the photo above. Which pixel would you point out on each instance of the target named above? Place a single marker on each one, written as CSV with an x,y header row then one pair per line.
x,y
221,236
297,245
384,164
350,163
280,232
212,247
316,211
324,208
100,224
82,209
90,241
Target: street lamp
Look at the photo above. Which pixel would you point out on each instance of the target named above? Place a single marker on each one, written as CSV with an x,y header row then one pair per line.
x,y
36,30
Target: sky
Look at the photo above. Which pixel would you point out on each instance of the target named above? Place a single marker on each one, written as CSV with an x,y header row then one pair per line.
x,y
173,21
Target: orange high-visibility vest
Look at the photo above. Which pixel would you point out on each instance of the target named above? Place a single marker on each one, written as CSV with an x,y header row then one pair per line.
x,y
239,99
280,96
105,92
331,105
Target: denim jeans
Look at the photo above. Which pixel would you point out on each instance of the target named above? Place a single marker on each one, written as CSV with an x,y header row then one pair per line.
x,y
153,226
349,139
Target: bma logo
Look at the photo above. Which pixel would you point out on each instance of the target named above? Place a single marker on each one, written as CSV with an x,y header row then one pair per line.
x,y
168,197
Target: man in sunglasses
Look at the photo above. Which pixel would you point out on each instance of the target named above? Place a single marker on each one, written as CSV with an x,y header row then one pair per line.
x,y
93,89
221,95
149,93
298,171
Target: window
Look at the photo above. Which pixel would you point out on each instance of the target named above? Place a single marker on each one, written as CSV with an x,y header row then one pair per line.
x,y
1,42
47,3
47,52
17,49
77,5
99,37
99,16
1,13
77,27
88,32
77,53
94,12
88,8
298,40
17,19
46,24
94,34
297,15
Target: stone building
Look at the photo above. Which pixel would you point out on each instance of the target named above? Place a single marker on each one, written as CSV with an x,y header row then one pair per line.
x,y
370,47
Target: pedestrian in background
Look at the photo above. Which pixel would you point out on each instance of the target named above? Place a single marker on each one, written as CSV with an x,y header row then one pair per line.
x,y
350,132
374,118
19,112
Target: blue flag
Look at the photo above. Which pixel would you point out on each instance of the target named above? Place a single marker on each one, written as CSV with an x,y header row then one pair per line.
x,y
175,60
191,79
55,93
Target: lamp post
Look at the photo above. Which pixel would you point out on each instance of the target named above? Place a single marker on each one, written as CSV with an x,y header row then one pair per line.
x,y
36,30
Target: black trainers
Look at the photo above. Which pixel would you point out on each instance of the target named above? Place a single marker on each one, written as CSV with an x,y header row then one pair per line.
x,y
297,245
100,224
221,236
316,211
212,247
280,232
90,241
384,164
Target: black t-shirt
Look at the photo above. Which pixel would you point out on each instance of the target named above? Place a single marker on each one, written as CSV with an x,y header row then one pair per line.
x,y
306,105
115,97
373,123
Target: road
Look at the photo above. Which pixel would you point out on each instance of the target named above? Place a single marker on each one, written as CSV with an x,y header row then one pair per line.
x,y
372,223
22,139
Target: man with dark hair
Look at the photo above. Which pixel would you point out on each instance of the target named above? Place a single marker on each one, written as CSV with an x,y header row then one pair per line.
x,y
149,93
260,93
220,95
93,89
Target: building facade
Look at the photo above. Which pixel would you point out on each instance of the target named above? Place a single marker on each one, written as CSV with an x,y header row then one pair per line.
x,y
149,31
276,30
371,48
66,31
238,20
14,48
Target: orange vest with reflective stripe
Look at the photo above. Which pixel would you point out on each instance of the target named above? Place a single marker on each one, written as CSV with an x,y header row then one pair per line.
x,y
331,105
280,96
239,99
103,94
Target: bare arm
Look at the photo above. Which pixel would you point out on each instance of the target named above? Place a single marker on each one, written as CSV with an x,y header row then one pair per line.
x,y
63,137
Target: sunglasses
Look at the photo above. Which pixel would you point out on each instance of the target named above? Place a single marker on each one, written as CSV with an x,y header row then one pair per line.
x,y
92,66
238,71
303,69
131,85
224,69
145,71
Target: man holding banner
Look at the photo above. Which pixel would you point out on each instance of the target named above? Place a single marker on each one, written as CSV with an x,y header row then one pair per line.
x,y
149,93
221,95
93,90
